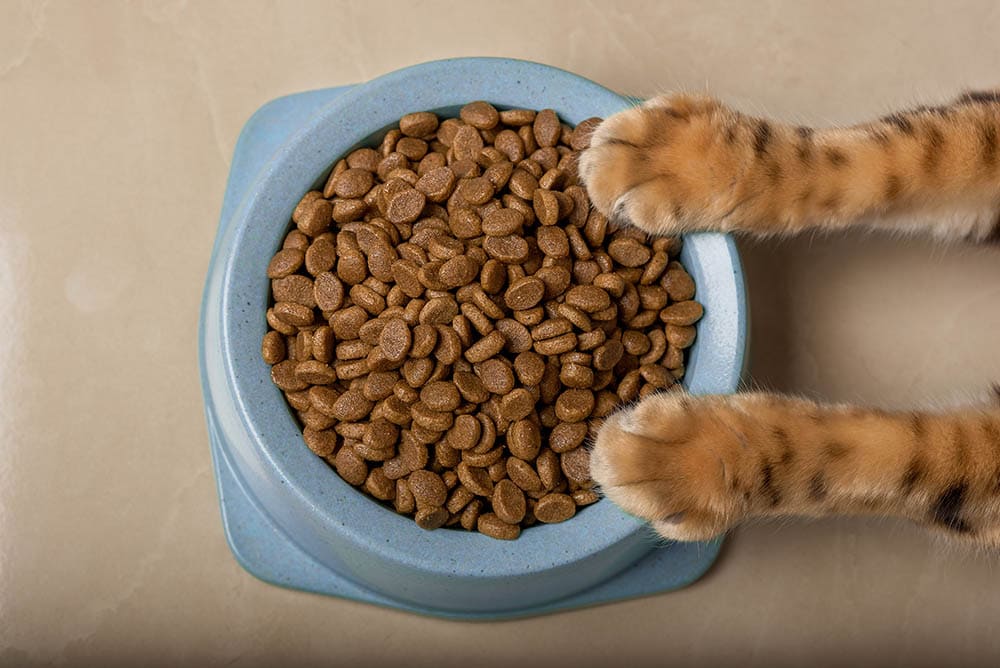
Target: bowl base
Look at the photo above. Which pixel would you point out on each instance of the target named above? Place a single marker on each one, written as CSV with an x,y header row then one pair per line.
x,y
269,554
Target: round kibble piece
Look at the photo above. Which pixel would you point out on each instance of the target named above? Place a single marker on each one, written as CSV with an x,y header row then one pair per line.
x,y
449,314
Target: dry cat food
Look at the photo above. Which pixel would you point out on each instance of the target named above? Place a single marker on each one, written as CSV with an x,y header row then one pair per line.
x,y
449,314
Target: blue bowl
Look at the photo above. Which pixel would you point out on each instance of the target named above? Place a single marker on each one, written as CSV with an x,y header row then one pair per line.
x,y
258,445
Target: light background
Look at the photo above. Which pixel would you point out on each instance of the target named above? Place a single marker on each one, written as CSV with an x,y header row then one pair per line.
x,y
117,123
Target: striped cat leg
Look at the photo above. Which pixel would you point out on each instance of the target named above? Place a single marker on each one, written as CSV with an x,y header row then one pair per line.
x,y
695,466
685,163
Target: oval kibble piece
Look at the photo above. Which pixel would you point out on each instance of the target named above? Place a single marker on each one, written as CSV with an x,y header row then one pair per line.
x,y
419,124
495,376
629,252
508,502
517,404
404,503
575,466
530,367
395,340
574,405
567,435
588,298
457,271
580,138
491,525
523,475
475,479
517,335
440,396
437,184
273,347
584,497
682,313
546,206
428,489
315,372
524,293
607,355
405,206
431,518
350,466
351,406
471,387
546,128
503,222
353,184
679,285
524,439
482,115
464,433
509,249
486,347
286,261
553,508
680,337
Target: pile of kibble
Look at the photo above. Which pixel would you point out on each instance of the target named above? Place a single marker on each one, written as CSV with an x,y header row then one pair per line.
x,y
449,315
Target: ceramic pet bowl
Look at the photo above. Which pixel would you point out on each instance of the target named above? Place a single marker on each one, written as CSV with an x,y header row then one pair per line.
x,y
288,517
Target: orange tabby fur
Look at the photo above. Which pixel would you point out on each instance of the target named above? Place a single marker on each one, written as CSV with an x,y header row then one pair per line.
x,y
695,466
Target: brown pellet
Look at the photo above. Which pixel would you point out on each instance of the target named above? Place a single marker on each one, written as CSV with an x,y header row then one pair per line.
x,y
553,508
491,525
431,518
508,502
448,314
682,313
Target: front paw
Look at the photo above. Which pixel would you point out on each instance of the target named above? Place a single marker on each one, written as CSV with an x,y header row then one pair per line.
x,y
667,461
666,166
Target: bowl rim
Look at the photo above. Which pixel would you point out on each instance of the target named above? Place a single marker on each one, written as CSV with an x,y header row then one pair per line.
x,y
277,442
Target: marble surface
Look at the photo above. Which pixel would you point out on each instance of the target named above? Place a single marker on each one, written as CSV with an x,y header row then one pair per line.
x,y
117,123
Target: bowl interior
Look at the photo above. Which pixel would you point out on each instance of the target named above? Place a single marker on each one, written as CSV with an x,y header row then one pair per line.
x,y
361,117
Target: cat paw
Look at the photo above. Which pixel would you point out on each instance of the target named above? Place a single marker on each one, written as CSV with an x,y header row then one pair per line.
x,y
667,166
667,461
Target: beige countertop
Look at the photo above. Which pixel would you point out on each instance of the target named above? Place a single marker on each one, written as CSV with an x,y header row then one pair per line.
x,y
117,124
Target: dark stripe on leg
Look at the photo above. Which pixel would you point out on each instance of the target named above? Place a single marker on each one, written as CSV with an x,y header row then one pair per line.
x,y
761,137
988,144
914,473
947,509
817,487
767,488
935,146
901,123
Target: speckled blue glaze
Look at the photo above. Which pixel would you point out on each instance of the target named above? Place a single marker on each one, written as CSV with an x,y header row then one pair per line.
x,y
289,518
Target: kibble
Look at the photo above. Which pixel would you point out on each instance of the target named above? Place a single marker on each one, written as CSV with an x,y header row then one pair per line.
x,y
448,314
